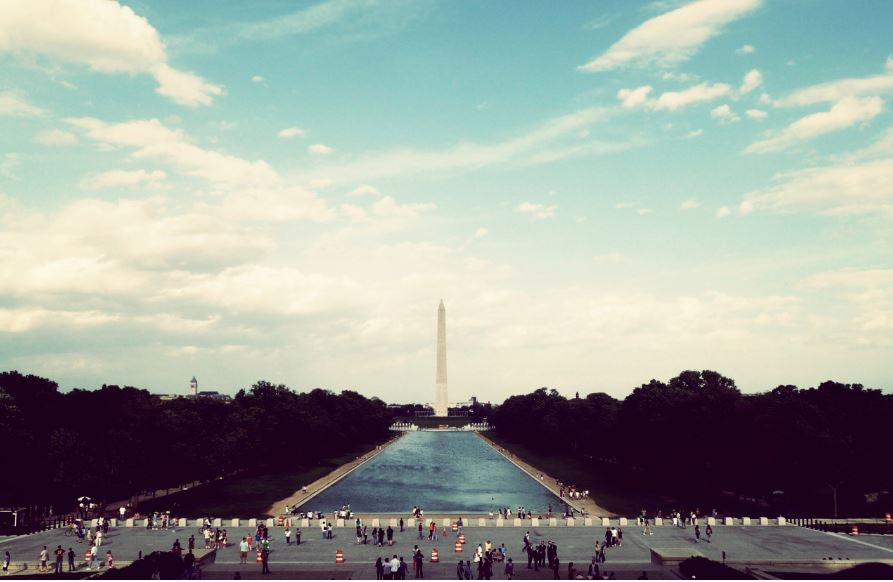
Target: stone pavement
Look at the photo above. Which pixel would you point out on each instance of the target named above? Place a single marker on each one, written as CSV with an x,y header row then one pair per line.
x,y
315,557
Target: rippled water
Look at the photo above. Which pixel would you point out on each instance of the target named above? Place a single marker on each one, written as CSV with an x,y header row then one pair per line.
x,y
442,472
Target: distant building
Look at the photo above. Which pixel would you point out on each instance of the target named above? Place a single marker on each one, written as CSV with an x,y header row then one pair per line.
x,y
193,387
213,395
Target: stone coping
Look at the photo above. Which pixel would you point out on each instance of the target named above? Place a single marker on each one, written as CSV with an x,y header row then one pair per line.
x,y
382,520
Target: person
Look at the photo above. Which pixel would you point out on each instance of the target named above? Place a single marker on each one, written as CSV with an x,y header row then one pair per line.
x,y
122,511
60,557
92,557
243,551
265,560
191,542
697,533
44,556
298,537
390,534
467,569
109,559
394,567
401,569
6,561
417,561
401,525
709,532
555,564
460,570
509,571
379,569
420,530
531,554
287,537
188,564
571,571
71,566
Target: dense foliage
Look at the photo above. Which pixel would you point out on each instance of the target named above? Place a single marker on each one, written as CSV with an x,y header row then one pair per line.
x,y
113,442
698,441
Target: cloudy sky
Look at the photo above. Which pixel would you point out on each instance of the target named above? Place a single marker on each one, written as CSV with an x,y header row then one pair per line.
x,y
601,192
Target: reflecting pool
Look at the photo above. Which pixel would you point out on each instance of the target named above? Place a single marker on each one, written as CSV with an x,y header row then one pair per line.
x,y
444,472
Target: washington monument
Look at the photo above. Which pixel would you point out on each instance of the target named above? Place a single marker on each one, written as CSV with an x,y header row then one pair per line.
x,y
441,406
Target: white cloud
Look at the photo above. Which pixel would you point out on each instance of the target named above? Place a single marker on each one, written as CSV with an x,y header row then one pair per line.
x,y
689,204
695,133
481,232
122,179
644,211
634,97
14,103
558,138
723,211
228,125
672,37
724,114
103,35
290,132
747,49
257,79
673,100
56,137
756,114
752,80
835,91
537,211
320,149
388,208
845,113
363,190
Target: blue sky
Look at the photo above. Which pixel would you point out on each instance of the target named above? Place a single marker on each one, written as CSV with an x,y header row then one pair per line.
x,y
601,192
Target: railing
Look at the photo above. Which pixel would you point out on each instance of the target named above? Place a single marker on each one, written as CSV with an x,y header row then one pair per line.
x,y
845,526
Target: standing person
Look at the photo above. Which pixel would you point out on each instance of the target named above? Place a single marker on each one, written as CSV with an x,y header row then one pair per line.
x,y
98,537
697,533
555,564
379,569
420,530
44,556
287,536
122,511
92,557
401,525
509,571
298,537
417,561
571,571
709,532
401,570
460,570
243,551
390,534
191,542
265,560
71,566
60,557
467,569
109,559
394,567
6,561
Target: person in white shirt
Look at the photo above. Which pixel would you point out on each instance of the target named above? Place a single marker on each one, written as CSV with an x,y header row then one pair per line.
x,y
395,567
122,511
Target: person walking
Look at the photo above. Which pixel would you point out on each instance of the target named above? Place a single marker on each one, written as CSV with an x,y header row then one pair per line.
x,y
709,532
92,557
243,551
265,560
44,556
7,560
417,561
59,553
509,571
697,533
109,559
71,566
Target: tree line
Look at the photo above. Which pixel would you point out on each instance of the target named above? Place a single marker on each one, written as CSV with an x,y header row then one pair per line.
x,y
110,443
697,441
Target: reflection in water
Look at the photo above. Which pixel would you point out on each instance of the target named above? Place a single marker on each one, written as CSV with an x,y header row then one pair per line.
x,y
442,472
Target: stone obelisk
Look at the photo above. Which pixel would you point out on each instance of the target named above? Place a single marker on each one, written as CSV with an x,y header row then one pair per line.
x,y
441,406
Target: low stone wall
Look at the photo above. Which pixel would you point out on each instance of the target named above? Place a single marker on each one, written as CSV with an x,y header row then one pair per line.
x,y
446,522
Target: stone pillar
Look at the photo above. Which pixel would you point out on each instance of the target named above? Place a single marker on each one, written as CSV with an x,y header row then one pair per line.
x,y
500,522
93,522
446,522
782,521
339,523
570,522
711,521
218,522
535,522
376,522
587,521
517,522
764,521
658,521
128,522
234,522
252,522
745,521
482,522
729,521
553,522
623,522
393,522
305,522
410,523
606,522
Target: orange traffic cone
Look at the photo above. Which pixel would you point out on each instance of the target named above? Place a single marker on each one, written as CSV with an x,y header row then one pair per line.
x,y
455,526
458,547
435,557
281,520
855,530
887,517
339,556
461,538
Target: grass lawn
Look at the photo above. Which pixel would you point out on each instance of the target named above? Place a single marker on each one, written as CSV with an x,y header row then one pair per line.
x,y
247,495
604,482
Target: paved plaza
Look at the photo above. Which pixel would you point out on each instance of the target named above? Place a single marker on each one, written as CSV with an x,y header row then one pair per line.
x,y
756,546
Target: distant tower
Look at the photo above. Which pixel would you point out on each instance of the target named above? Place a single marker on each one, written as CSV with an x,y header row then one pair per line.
x,y
441,406
193,386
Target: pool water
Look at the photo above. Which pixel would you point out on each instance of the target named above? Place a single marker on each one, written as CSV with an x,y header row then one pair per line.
x,y
443,472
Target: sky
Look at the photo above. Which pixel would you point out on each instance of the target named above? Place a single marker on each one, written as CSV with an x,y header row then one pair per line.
x,y
601,192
